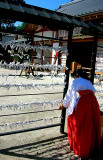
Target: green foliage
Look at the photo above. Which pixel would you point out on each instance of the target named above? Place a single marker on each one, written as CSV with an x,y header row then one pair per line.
x,y
15,58
7,23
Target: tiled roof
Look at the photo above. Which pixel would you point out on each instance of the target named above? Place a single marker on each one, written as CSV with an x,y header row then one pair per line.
x,y
51,19
36,15
81,7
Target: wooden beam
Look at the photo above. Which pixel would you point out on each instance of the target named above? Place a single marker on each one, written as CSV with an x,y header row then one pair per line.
x,y
93,59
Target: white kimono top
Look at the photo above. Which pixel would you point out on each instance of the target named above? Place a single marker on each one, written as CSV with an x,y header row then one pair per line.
x,y
70,99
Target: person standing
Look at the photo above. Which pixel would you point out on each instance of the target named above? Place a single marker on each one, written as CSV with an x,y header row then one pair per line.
x,y
83,121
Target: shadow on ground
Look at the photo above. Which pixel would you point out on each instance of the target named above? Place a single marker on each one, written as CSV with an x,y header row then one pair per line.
x,y
49,149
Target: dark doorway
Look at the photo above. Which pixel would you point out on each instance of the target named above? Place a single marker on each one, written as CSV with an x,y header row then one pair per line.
x,y
81,53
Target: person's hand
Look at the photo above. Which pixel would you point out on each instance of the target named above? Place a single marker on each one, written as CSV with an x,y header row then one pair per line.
x,y
61,107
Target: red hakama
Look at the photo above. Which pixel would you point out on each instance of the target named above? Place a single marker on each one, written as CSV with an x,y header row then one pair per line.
x,y
84,125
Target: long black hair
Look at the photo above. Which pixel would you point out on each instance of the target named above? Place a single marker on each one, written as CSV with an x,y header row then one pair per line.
x,y
80,73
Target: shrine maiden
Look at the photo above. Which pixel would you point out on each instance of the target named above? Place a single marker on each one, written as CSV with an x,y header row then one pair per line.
x,y
83,121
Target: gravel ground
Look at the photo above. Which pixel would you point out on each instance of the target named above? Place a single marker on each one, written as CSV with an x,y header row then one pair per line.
x,y
39,144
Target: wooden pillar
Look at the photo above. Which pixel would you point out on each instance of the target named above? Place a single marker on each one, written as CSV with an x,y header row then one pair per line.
x,y
16,37
42,52
60,53
32,57
0,33
63,114
94,53
32,51
42,55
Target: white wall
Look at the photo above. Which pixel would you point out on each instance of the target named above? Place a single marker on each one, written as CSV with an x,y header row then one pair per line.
x,y
6,38
45,34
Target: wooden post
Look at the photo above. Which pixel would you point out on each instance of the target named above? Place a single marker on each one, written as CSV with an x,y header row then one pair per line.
x,y
32,57
32,51
94,53
63,114
42,52
0,33
42,55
